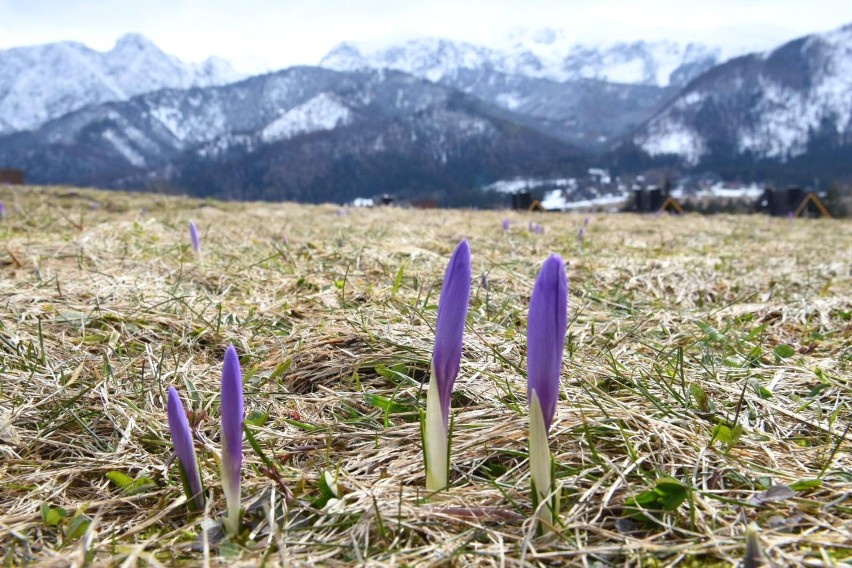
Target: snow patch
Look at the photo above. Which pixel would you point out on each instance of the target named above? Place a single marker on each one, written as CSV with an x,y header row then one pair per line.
x,y
322,112
124,148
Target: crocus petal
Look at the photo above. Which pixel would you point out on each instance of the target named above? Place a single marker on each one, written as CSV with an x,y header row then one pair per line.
x,y
546,327
193,236
184,448
449,330
232,433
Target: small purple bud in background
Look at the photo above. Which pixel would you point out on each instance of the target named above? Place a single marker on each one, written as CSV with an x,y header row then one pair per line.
x,y
539,229
483,280
546,326
232,436
505,225
586,222
531,227
185,450
446,357
2,210
193,236
789,214
581,234
340,212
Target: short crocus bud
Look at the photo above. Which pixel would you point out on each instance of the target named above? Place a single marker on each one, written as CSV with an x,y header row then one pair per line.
x,y
505,225
753,557
232,436
185,450
193,236
446,357
546,327
581,234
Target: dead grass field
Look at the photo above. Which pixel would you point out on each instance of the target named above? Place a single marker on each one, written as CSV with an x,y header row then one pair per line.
x,y
712,350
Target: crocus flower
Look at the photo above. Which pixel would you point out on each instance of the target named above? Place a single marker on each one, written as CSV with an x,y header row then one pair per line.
x,y
185,450
446,357
546,327
505,224
193,236
232,436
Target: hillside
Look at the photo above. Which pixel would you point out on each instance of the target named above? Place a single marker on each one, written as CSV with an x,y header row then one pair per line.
x,y
704,385
780,106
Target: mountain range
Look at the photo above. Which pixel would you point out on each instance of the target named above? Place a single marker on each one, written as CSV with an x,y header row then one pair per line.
x,y
304,133
431,118
44,82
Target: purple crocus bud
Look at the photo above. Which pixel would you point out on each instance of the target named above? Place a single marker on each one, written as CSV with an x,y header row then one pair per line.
x,y
185,450
581,234
193,236
539,229
2,210
546,327
505,225
586,222
531,227
446,357
232,436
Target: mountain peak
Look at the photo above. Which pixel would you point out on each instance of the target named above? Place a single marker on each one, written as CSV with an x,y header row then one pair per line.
x,y
42,82
134,42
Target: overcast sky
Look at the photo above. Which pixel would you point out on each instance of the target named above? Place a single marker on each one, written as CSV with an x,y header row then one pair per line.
x,y
263,35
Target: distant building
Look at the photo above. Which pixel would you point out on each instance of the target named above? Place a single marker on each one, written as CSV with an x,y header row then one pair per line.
x,y
12,177
794,202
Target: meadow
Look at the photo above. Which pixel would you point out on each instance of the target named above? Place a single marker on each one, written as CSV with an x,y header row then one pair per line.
x,y
705,385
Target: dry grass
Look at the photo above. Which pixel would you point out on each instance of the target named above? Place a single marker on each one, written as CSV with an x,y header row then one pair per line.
x,y
677,326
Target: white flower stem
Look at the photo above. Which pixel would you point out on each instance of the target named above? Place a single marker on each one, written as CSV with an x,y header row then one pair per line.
x,y
540,466
435,440
231,489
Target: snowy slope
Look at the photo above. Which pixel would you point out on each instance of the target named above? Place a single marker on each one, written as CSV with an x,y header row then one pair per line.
x,y
43,82
543,54
771,105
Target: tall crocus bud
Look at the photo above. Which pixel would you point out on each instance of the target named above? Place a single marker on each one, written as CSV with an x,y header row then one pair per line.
x,y
546,327
505,225
232,436
193,236
185,450
449,331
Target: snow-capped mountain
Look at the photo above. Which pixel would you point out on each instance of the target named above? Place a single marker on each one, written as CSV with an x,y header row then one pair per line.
x,y
774,105
303,133
543,54
585,95
43,82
